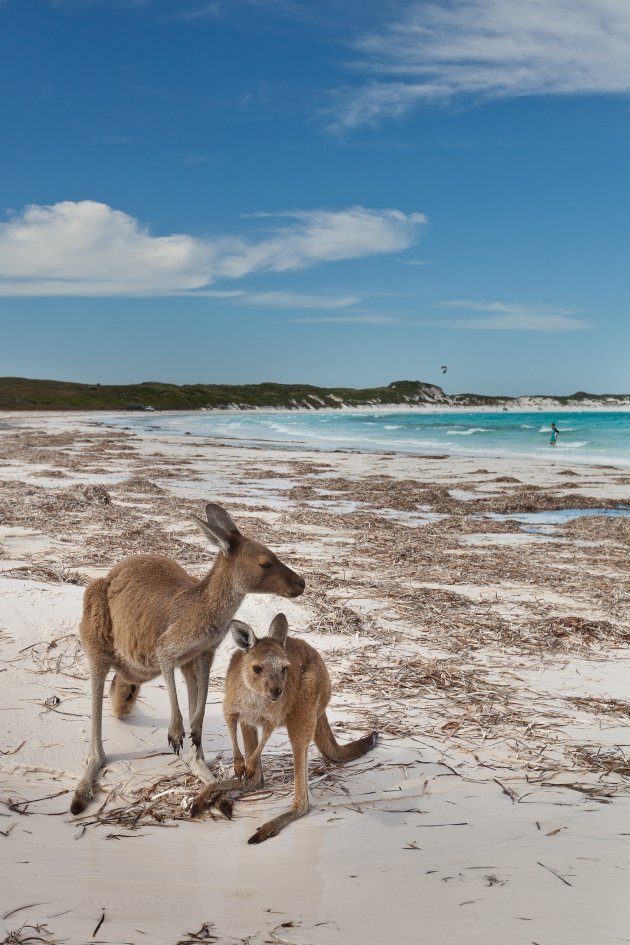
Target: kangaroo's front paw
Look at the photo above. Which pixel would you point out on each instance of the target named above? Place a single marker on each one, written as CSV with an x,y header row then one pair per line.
x,y
239,768
195,737
176,737
250,769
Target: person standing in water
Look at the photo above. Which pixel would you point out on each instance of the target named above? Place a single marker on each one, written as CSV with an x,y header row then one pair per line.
x,y
554,434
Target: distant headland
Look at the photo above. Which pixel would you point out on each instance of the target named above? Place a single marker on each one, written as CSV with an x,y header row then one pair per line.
x,y
19,393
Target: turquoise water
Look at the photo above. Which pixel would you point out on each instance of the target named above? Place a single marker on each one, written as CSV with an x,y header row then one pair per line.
x,y
588,437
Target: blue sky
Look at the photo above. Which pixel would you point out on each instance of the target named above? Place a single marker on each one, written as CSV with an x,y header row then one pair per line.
x,y
341,193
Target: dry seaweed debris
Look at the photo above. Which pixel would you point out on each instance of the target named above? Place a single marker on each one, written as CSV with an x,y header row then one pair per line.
x,y
385,492
468,698
337,617
96,494
161,803
537,499
167,800
139,484
28,934
49,474
62,655
409,675
605,761
205,936
46,574
600,527
572,631
547,636
601,706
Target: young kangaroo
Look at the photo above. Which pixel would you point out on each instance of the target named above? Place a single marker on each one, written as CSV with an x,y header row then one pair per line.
x,y
148,616
278,680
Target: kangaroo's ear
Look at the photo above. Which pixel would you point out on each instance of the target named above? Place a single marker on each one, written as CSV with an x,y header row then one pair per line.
x,y
244,636
220,530
279,629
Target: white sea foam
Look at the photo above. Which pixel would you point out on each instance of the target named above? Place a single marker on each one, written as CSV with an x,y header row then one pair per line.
x,y
467,432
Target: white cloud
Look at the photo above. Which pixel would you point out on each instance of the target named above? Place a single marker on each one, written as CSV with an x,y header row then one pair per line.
x,y
487,49
324,236
89,249
515,316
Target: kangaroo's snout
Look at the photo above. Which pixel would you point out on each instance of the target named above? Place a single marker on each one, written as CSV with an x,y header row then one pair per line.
x,y
275,692
297,585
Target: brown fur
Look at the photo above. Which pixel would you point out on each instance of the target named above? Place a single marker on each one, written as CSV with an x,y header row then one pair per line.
x,y
149,616
292,688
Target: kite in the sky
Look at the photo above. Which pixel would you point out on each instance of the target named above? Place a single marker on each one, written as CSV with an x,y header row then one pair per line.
x,y
444,368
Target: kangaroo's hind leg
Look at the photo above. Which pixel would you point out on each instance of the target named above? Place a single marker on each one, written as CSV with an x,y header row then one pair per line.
x,y
96,758
195,759
301,735
189,672
203,664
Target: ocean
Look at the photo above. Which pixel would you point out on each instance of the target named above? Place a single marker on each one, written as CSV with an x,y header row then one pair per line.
x,y
585,436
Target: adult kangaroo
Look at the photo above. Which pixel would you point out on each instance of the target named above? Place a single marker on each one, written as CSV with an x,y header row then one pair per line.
x,y
149,616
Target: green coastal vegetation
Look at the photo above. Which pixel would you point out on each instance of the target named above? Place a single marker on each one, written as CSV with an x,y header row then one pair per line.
x,y
20,393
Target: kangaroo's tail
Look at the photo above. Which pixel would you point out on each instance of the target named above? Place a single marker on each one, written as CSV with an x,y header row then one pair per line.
x,y
330,747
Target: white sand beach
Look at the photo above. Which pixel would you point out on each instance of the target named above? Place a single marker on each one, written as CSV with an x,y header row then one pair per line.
x,y
486,638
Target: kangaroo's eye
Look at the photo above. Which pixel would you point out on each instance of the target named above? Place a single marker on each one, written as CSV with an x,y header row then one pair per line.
x,y
257,670
284,670
266,564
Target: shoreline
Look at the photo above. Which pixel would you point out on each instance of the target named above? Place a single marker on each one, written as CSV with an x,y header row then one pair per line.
x,y
461,447
536,407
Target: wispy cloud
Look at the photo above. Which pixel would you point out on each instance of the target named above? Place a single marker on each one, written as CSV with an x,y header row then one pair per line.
x,y
486,49
198,160
345,319
507,308
202,11
514,316
89,249
298,300
544,323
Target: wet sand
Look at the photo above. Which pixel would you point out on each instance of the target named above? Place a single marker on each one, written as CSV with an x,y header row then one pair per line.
x,y
474,611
